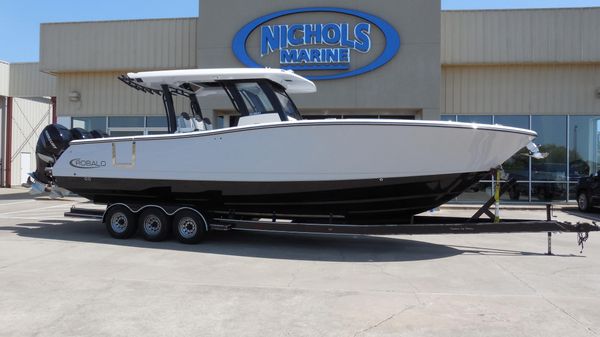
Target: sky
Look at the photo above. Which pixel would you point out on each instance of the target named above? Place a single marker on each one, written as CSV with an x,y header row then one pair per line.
x,y
20,19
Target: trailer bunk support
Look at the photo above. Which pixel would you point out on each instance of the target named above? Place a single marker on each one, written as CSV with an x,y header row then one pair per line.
x,y
494,200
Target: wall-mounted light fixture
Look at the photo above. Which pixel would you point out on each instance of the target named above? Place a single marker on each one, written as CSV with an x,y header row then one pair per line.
x,y
74,96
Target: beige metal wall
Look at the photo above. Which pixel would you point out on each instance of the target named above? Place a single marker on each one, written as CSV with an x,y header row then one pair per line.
x,y
521,89
2,138
521,36
30,116
493,62
26,80
4,78
118,45
102,94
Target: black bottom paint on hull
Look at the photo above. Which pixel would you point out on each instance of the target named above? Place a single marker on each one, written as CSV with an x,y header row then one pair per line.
x,y
356,200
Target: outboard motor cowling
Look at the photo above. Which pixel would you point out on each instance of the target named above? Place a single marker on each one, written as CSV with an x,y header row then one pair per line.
x,y
53,141
98,134
79,133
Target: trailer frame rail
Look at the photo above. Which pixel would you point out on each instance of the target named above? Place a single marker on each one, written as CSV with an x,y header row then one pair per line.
x,y
420,225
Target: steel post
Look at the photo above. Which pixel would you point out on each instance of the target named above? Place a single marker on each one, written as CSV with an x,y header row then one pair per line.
x,y
54,115
8,143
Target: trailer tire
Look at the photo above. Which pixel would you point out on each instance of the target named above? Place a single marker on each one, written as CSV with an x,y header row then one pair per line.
x,y
120,222
189,226
155,224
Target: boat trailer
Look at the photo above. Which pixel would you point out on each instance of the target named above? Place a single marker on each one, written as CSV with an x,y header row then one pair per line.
x,y
420,225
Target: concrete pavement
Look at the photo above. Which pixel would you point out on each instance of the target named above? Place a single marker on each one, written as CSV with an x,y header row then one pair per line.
x,y
65,277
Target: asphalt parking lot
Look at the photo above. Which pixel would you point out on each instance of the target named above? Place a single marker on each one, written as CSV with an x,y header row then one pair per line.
x,y
67,277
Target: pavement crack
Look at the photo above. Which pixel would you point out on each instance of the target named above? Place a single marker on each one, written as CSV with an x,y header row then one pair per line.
x,y
415,290
512,274
384,321
562,270
587,328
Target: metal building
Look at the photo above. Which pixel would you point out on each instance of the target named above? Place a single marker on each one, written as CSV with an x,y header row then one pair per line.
x,y
537,69
26,107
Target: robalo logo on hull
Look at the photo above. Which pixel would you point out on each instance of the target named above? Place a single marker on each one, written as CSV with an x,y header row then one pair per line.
x,y
325,42
86,163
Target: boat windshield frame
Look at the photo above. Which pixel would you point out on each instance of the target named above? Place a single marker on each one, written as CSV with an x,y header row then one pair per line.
x,y
269,90
246,102
167,92
290,109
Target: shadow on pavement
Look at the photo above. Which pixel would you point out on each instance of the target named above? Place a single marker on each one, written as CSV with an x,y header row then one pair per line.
x,y
16,196
593,215
503,252
309,247
26,196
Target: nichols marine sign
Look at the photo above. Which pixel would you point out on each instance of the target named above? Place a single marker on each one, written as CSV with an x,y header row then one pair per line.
x,y
303,40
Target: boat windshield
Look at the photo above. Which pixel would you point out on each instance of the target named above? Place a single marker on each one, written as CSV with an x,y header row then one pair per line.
x,y
288,106
255,99
258,97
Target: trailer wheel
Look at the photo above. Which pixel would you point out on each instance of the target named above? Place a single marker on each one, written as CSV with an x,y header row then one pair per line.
x,y
583,201
120,222
154,224
189,226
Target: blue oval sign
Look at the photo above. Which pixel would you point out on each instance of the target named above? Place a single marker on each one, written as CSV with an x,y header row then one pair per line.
x,y
321,46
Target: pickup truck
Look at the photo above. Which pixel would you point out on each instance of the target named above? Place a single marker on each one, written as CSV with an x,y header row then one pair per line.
x,y
588,192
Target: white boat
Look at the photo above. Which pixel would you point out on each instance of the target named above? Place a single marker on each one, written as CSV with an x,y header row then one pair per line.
x,y
273,161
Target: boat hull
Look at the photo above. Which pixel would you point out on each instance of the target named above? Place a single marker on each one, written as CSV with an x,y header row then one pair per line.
x,y
375,199
353,168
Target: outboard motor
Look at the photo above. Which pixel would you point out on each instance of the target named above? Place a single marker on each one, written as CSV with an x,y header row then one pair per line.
x,y
98,134
79,133
53,141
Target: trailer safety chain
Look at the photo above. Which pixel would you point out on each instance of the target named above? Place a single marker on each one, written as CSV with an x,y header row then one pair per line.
x,y
583,236
581,239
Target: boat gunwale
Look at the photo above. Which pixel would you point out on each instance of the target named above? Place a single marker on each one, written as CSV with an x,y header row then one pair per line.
x,y
323,122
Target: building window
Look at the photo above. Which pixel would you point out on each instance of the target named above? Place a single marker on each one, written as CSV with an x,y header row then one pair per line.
x,y
549,176
448,118
124,133
126,122
481,119
90,123
64,121
518,165
405,117
156,125
156,122
310,117
120,126
573,143
584,149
